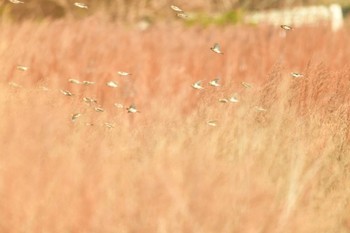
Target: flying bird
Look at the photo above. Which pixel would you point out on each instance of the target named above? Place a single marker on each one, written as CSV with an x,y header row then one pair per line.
x,y
260,109
212,123
75,116
89,100
66,93
123,73
296,75
214,83
286,27
223,100
246,85
98,109
132,109
112,84
234,99
22,68
197,85
175,8
109,125
87,83
216,48
81,5
74,81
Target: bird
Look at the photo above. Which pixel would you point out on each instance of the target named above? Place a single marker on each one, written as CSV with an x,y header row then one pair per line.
x,y
175,8
296,75
132,109
260,109
123,73
197,85
16,1
212,123
87,83
89,100
109,125
214,83
112,84
286,27
22,68
66,93
74,81
75,116
246,85
216,48
233,98
81,5
182,15
99,109
223,100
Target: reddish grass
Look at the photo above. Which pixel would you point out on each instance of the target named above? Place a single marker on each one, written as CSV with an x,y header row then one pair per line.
x,y
165,169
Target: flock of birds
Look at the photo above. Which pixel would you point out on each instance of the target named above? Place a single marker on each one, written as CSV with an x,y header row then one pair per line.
x,y
132,108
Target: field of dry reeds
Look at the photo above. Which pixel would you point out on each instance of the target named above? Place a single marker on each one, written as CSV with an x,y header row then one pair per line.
x,y
276,161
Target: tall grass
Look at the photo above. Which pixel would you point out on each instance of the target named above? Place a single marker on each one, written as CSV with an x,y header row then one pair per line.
x,y
164,169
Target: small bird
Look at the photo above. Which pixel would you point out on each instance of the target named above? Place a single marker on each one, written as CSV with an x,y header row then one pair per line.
x,y
74,81
182,15
112,84
89,100
117,105
212,123
132,109
234,99
214,83
109,125
175,8
98,109
197,85
87,83
286,27
66,93
75,116
223,100
22,68
216,48
296,75
81,5
260,109
123,73
16,1
247,85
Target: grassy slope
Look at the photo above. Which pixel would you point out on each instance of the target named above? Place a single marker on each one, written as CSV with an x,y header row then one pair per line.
x,y
165,169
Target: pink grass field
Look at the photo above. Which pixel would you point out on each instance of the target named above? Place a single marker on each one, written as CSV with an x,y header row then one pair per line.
x,y
286,169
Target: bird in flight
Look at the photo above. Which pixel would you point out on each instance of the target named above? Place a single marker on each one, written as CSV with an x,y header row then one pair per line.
x,y
87,83
246,85
216,48
296,75
81,5
212,123
197,85
132,109
214,83
286,27
66,93
22,68
74,81
123,73
112,84
75,116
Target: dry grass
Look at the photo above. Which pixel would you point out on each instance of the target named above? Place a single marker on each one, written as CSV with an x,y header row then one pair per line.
x,y
165,169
